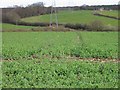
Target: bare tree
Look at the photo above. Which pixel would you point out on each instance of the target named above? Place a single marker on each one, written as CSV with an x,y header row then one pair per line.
x,y
96,25
12,17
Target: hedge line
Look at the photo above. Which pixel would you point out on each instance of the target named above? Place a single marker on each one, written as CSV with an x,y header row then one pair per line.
x,y
97,14
76,26
93,26
30,24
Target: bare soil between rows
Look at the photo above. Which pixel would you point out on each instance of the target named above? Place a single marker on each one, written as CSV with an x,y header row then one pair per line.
x,y
69,59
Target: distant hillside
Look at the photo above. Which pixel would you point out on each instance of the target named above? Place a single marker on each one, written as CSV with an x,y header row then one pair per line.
x,y
15,13
79,16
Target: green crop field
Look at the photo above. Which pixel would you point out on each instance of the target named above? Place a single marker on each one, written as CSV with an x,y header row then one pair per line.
x,y
110,13
10,27
54,59
83,52
82,16
47,73
57,44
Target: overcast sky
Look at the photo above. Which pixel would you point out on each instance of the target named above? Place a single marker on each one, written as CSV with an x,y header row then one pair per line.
x,y
6,3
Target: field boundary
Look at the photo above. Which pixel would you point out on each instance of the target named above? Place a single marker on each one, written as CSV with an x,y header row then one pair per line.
x,y
112,17
61,28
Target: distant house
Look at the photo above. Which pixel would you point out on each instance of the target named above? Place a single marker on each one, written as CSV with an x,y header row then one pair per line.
x,y
110,10
101,9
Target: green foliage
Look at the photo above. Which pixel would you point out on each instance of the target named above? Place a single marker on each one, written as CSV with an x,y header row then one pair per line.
x,y
30,45
47,73
77,26
0,75
38,64
10,27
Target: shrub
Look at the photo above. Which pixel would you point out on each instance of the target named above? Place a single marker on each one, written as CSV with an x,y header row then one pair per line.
x,y
11,17
76,26
31,24
96,25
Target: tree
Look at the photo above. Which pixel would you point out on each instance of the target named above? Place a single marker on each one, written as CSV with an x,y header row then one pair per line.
x,y
96,25
12,17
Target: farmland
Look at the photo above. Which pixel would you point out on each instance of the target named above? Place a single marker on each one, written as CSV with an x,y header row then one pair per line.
x,y
54,59
79,44
110,13
11,27
53,73
82,16
69,59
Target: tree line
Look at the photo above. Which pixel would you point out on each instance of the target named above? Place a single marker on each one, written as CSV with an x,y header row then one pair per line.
x,y
93,7
17,12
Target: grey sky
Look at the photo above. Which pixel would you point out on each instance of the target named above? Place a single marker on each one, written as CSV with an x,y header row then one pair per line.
x,y
6,3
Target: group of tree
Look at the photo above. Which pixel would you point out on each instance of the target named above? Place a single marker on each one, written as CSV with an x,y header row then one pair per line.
x,y
15,13
93,7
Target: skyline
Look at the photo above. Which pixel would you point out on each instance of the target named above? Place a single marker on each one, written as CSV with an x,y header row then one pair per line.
x,y
59,3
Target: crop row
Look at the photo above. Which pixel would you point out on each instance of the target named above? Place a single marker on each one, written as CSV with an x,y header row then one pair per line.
x,y
83,45
59,73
